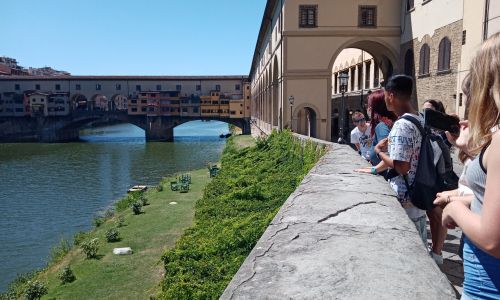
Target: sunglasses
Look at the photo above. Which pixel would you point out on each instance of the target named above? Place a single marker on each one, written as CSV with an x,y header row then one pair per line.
x,y
359,121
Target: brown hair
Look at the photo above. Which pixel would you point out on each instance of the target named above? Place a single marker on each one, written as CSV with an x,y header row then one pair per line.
x,y
438,105
485,94
357,115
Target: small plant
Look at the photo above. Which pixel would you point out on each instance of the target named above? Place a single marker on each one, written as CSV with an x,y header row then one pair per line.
x,y
98,221
90,248
59,251
66,275
120,221
109,213
112,235
34,290
144,201
137,208
159,188
79,237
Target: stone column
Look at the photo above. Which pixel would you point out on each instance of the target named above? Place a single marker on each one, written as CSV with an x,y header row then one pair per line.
x,y
159,129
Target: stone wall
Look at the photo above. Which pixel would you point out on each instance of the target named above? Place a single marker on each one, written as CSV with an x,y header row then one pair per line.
x,y
340,235
439,86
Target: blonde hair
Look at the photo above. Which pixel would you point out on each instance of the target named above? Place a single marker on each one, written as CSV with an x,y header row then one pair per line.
x,y
484,94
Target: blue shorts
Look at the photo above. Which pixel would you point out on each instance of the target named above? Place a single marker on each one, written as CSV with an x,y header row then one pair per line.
x,y
481,273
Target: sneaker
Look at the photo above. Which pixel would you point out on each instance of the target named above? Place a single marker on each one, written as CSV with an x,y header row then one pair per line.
x,y
437,258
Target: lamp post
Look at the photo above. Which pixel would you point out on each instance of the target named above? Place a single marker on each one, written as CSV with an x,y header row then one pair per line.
x,y
291,99
343,77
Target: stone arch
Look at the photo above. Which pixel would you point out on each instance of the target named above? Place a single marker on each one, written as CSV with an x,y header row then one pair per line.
x,y
79,102
306,118
269,97
99,102
383,54
118,102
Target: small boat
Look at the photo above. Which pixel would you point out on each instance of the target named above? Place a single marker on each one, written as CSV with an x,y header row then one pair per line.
x,y
137,188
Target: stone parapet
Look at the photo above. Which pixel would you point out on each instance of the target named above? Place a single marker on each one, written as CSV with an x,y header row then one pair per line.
x,y
340,235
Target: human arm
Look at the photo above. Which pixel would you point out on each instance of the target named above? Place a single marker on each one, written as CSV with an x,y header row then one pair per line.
x,y
381,167
445,198
355,140
482,229
400,148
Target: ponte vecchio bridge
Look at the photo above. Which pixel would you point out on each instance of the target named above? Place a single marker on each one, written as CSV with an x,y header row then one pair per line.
x,y
52,109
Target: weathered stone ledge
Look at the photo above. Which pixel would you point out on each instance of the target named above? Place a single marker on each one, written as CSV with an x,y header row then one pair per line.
x,y
340,235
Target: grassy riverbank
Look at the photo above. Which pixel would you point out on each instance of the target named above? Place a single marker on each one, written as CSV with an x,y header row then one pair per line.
x,y
135,276
234,212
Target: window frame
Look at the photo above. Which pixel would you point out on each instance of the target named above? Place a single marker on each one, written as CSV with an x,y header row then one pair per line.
x,y
424,60
361,9
444,56
307,9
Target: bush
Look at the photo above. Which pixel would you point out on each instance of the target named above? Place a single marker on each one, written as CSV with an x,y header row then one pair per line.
x,y
120,221
16,287
98,221
66,275
112,235
109,213
159,188
34,290
79,237
144,201
90,248
59,251
136,208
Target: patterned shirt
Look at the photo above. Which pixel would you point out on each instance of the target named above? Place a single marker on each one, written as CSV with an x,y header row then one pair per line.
x,y
363,139
405,142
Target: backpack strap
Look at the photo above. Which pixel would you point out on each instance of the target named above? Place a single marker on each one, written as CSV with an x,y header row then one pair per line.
x,y
416,123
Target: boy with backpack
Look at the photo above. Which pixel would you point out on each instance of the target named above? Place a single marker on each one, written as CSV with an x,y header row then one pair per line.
x,y
403,146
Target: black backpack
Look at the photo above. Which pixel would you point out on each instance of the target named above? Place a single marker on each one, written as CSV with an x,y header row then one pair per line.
x,y
434,172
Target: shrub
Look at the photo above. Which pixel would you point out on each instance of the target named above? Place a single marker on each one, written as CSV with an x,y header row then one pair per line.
x,y
59,251
109,213
136,208
159,188
126,202
79,237
144,201
15,289
98,221
120,221
90,248
34,290
66,275
112,235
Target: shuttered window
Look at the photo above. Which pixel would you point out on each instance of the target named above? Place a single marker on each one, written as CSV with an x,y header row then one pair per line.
x,y
424,60
444,54
308,16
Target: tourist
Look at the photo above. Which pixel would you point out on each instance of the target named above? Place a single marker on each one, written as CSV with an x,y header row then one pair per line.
x,y
480,222
403,146
438,231
360,135
381,124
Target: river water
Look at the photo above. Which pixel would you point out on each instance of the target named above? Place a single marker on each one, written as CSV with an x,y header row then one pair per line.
x,y
51,191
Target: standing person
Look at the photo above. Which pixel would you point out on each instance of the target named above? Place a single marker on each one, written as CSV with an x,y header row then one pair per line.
x,y
480,222
360,135
381,123
438,231
403,146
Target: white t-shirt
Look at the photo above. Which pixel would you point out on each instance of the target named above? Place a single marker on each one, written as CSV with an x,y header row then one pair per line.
x,y
405,142
363,139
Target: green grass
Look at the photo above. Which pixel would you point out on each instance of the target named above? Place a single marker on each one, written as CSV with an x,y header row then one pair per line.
x,y
233,213
243,141
149,234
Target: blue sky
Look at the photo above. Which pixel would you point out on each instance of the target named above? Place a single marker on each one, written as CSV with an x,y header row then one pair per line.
x,y
125,37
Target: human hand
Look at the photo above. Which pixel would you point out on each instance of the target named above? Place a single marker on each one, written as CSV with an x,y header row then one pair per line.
x,y
461,140
381,146
443,199
447,219
364,170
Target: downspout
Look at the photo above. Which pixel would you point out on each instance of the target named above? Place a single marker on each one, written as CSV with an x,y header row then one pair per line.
x,y
281,70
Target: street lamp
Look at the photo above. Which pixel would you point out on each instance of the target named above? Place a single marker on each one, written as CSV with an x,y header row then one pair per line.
x,y
344,79
291,99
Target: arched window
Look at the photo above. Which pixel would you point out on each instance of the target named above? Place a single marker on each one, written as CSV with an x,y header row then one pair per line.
x,y
424,60
409,66
444,54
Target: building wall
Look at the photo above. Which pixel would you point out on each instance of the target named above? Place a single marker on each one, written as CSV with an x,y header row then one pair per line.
x,y
437,85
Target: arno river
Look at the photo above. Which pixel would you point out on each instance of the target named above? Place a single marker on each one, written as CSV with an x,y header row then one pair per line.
x,y
51,191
